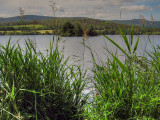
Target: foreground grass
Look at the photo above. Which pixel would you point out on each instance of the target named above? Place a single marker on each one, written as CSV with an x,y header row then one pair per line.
x,y
129,89
35,87
38,87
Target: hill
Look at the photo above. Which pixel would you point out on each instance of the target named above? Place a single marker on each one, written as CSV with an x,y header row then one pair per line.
x,y
137,22
26,18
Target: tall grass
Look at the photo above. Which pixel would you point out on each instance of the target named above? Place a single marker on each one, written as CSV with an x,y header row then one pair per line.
x,y
127,89
38,87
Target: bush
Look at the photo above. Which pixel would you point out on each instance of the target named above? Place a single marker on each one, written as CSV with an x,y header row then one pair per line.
x,y
91,31
47,33
78,30
68,29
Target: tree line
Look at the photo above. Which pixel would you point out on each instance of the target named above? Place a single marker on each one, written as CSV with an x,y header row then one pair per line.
x,y
73,27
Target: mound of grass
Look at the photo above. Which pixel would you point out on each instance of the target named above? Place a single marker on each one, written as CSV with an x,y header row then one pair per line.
x,y
128,89
38,87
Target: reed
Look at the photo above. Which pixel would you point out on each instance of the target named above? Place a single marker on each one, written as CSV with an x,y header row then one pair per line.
x,y
38,87
126,89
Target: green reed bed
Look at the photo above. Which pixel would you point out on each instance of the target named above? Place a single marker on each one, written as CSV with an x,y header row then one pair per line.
x,y
38,87
128,89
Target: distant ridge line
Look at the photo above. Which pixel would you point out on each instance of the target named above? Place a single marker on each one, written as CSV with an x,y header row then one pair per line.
x,y
38,17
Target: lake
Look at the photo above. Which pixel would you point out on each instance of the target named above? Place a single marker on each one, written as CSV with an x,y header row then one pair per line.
x,y
74,48
78,53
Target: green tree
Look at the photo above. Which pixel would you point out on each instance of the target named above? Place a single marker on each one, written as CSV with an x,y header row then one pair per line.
x,y
78,30
91,31
68,29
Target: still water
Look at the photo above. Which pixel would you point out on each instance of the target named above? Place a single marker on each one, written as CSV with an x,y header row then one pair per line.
x,y
79,54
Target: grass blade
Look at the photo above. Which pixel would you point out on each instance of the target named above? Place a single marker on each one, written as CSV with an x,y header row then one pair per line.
x,y
13,92
125,40
136,45
114,43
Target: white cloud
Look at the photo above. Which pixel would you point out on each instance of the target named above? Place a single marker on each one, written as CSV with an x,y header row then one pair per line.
x,y
81,13
4,15
105,9
119,2
136,8
32,11
67,14
100,15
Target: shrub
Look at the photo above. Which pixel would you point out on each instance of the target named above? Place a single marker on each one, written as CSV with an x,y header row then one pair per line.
x,y
91,31
68,29
78,30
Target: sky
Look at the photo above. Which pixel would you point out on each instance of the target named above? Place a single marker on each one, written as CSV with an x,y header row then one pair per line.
x,y
99,9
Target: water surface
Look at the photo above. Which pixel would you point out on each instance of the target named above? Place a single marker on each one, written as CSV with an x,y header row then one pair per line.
x,y
78,53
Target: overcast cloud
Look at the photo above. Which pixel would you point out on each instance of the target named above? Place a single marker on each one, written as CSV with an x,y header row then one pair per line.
x,y
100,9
136,8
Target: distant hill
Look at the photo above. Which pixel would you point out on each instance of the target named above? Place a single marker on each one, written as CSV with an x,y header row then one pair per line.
x,y
31,18
37,17
26,18
138,22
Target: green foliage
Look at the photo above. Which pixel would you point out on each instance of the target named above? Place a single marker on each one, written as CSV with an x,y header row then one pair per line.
x,y
128,89
34,86
85,23
29,27
91,31
38,87
68,29
78,30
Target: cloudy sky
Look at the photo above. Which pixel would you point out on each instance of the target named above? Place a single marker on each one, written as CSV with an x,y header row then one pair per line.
x,y
101,9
